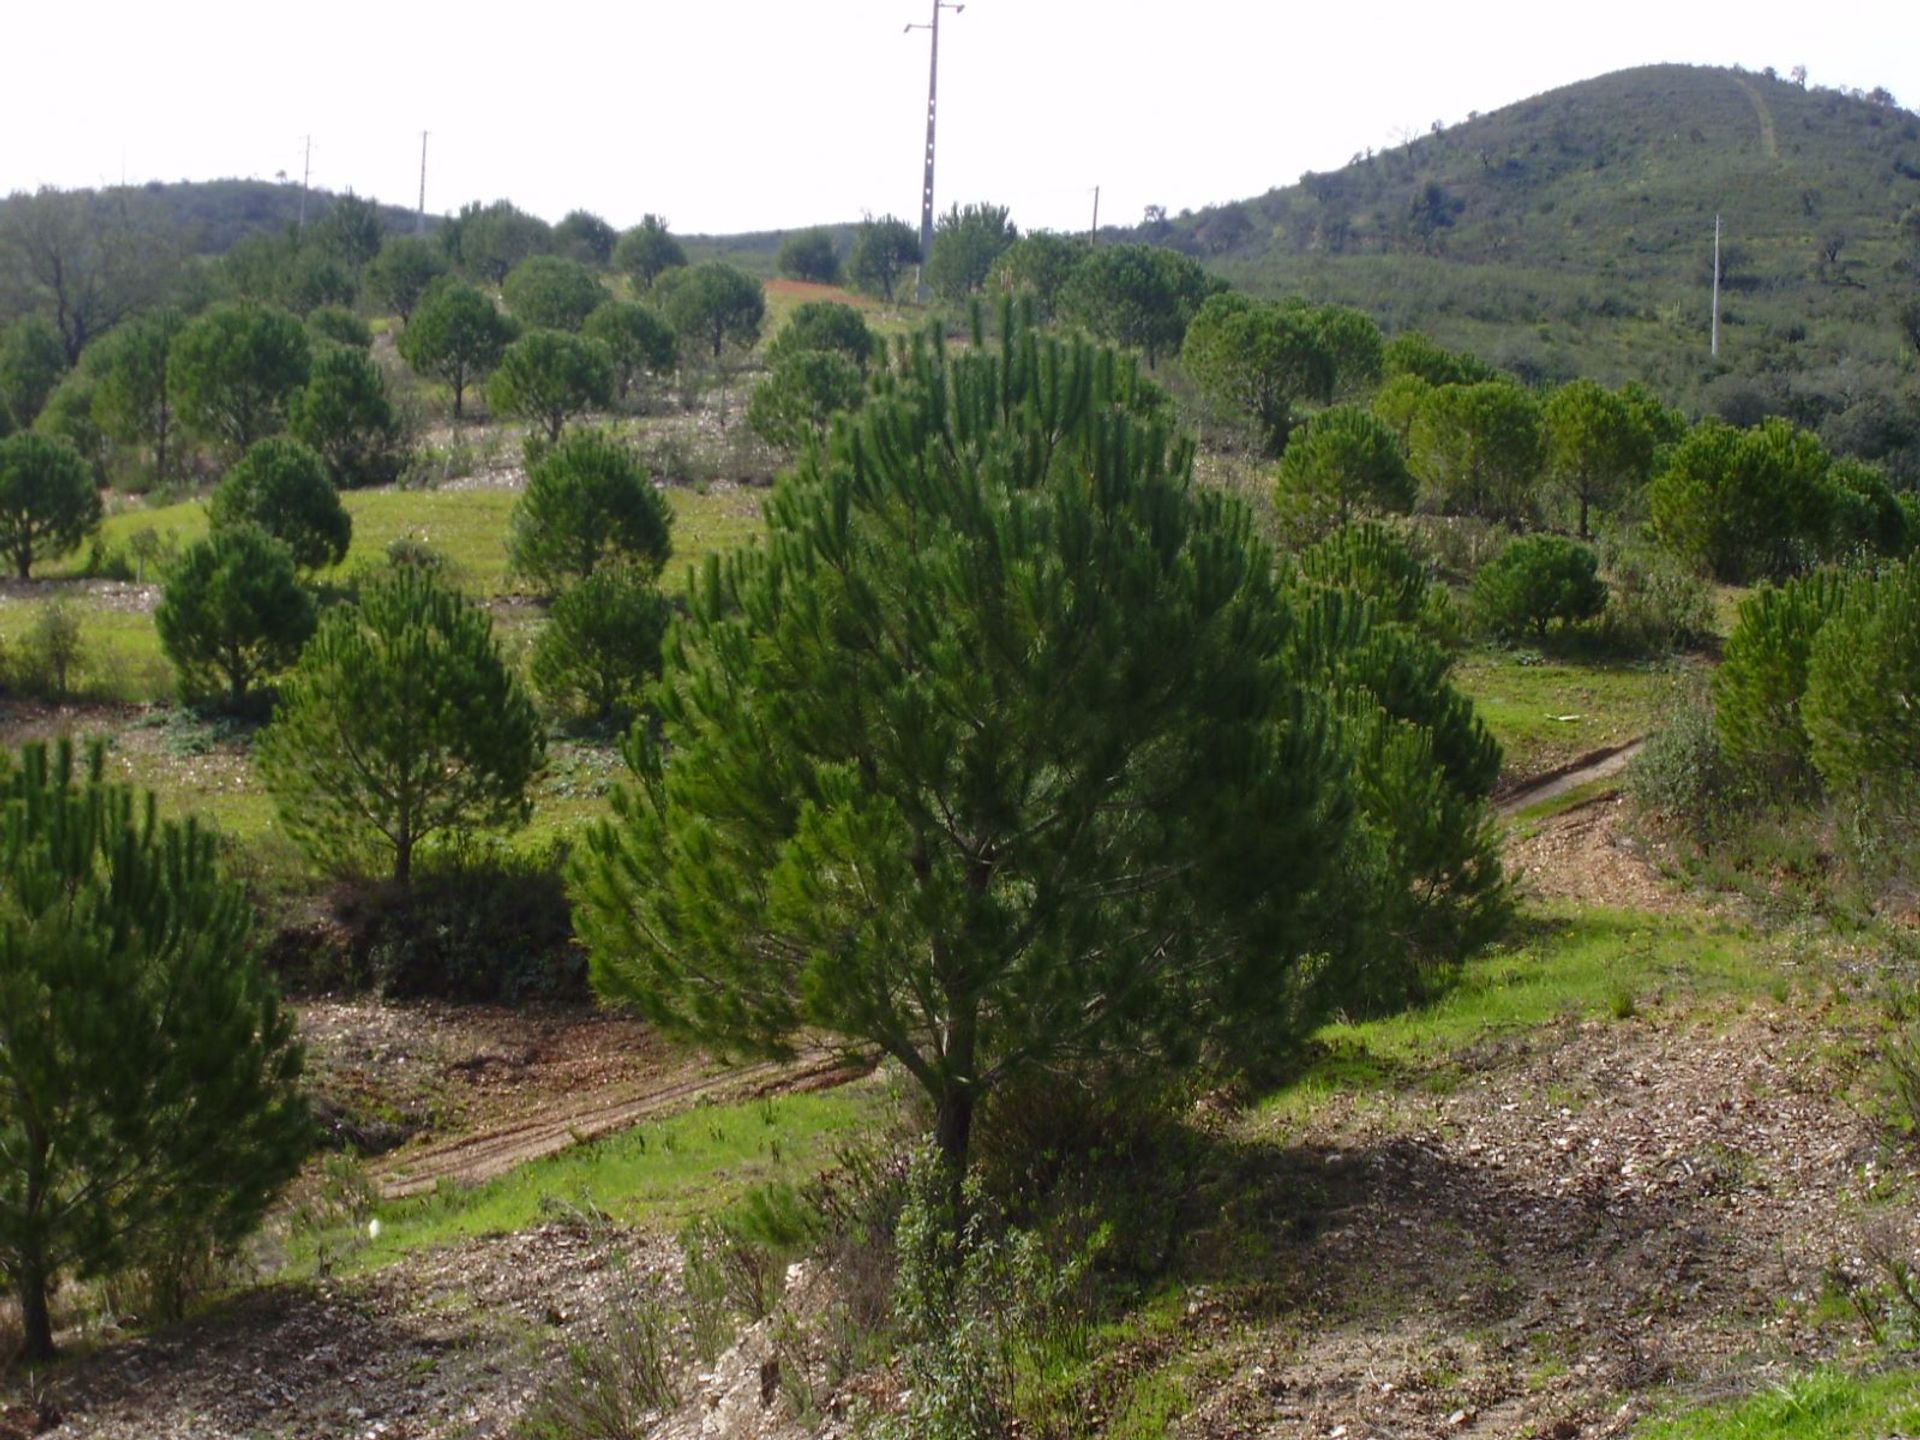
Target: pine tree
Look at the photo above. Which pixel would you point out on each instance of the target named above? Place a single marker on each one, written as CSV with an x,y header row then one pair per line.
x,y
400,721
149,1095
983,759
233,613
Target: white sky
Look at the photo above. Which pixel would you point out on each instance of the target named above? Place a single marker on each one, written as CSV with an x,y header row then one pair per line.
x,y
762,115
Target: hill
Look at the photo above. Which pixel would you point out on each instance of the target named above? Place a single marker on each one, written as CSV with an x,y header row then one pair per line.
x,y
212,216
1572,233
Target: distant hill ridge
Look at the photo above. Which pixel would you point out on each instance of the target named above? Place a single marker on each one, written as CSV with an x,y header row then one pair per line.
x,y
1573,232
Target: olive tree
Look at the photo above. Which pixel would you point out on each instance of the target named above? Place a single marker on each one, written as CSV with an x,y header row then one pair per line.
x,y
882,251
714,305
457,335
647,252
640,341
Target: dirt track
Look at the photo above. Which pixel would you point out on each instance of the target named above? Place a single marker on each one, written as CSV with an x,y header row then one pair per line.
x,y
471,1159
1601,764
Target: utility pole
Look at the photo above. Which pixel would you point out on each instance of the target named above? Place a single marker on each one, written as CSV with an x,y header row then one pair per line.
x,y
926,184
306,173
420,216
1093,231
1714,344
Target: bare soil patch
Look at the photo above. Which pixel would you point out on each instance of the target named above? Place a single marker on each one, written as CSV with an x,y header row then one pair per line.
x,y
1593,855
1612,1215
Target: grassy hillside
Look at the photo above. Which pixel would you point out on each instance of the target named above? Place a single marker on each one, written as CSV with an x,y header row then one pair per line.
x,y
1573,233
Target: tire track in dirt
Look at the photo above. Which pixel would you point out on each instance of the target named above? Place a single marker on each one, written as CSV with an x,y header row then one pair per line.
x,y
1769,141
1602,764
473,1159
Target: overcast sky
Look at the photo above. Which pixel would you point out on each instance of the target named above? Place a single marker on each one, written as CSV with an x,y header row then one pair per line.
x,y
759,115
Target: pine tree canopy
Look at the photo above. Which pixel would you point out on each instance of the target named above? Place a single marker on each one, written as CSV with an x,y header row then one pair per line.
x,y
986,757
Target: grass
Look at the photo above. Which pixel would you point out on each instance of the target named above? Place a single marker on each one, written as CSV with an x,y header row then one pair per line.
x,y
469,527
1546,712
662,1175
1584,962
1825,1405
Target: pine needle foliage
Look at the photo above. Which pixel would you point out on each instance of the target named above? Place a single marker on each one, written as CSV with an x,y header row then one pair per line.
x,y
149,1081
984,758
400,722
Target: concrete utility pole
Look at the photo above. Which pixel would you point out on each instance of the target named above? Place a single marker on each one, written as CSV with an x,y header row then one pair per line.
x,y
1714,344
420,216
926,184
1093,232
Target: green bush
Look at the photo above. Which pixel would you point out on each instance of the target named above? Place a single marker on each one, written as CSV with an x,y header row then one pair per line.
x,y
824,325
1684,776
481,921
282,486
601,644
546,292
1535,581
588,502
346,415
233,614
1863,677
337,325
1763,676
798,401
1656,605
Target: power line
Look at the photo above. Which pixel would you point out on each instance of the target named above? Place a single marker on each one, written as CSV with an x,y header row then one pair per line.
x,y
926,184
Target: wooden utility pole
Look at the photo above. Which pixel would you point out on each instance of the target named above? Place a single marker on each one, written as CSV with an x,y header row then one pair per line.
x,y
1714,344
926,183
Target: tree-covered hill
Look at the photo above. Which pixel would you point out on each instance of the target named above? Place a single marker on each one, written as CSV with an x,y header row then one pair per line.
x,y
212,216
1572,233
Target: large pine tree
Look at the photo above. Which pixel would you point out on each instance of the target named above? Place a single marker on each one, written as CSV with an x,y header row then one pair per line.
x,y
985,757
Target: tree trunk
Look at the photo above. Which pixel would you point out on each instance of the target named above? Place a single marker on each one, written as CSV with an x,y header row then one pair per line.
x,y
1583,514
459,389
35,1318
953,1134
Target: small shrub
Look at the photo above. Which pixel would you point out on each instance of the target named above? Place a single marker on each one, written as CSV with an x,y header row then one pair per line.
x,y
1684,776
53,653
798,401
601,644
1535,581
1763,676
337,325
482,921
616,1388
1863,674
1656,605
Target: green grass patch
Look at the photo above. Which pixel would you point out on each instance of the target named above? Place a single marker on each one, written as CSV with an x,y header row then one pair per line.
x,y
1580,962
661,1174
1825,1405
1547,712
1528,821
